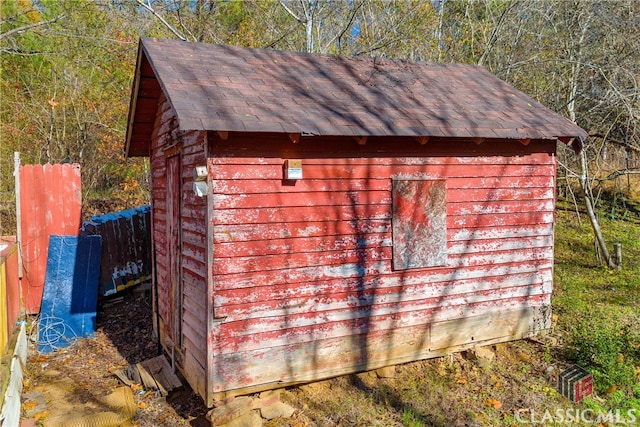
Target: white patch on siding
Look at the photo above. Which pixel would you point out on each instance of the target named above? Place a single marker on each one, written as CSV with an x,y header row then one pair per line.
x,y
502,233
369,228
344,270
467,247
414,314
416,176
229,201
308,231
479,208
412,160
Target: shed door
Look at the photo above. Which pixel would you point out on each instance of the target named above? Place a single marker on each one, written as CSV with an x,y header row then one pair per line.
x,y
174,249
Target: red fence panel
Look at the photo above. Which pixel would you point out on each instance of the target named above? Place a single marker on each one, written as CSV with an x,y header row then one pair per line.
x,y
50,203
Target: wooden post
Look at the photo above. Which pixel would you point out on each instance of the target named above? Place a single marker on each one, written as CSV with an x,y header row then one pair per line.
x,y
618,250
16,174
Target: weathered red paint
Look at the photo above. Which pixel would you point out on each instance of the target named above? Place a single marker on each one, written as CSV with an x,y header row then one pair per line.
x,y
51,201
174,244
290,281
294,263
180,243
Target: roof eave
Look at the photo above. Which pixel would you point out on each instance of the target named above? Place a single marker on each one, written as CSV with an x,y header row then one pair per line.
x,y
575,142
133,103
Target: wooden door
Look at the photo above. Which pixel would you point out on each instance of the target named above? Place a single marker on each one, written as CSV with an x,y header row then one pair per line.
x,y
174,249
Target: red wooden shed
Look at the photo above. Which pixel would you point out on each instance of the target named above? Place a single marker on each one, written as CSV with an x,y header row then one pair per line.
x,y
316,216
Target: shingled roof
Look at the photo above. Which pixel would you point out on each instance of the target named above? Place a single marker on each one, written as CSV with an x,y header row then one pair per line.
x,y
227,88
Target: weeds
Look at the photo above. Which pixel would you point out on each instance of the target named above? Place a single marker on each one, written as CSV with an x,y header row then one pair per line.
x,y
598,308
409,418
601,343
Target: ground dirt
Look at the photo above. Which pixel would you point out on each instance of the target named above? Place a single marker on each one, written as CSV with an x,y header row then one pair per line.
x,y
456,390
79,378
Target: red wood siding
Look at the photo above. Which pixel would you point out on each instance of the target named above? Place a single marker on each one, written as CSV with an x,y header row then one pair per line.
x,y
189,307
302,272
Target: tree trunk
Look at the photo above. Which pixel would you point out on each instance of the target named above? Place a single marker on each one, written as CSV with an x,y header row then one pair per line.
x,y
576,68
584,185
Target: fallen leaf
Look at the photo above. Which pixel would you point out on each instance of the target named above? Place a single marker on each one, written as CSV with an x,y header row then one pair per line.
x,y
29,405
612,389
40,415
142,405
497,384
53,103
495,403
462,381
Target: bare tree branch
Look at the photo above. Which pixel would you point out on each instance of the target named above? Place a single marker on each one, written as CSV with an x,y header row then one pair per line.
x,y
346,27
568,170
597,134
302,21
494,33
30,26
619,173
378,46
184,28
166,24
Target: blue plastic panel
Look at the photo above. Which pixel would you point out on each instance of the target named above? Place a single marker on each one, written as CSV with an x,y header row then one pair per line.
x,y
70,296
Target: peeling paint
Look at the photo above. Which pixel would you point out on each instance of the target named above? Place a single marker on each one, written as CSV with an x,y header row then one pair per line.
x,y
305,271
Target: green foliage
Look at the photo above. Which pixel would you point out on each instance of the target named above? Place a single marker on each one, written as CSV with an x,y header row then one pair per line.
x,y
603,344
598,308
64,91
594,405
409,418
580,282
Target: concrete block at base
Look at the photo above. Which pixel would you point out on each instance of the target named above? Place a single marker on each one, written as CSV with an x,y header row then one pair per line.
x,y
236,408
266,398
277,410
483,356
247,419
386,372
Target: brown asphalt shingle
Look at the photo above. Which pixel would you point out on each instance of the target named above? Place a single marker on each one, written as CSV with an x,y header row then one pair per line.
x,y
226,88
